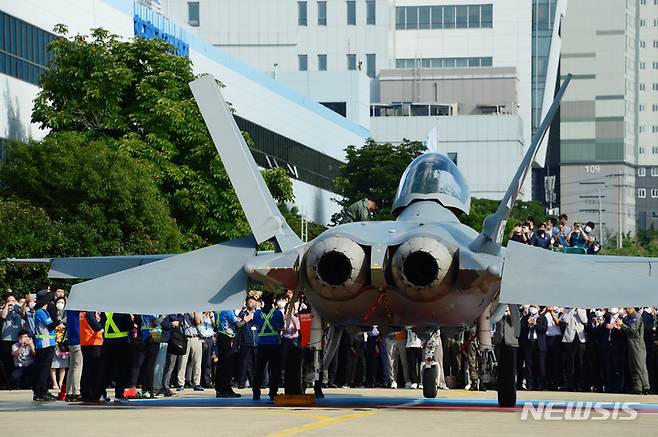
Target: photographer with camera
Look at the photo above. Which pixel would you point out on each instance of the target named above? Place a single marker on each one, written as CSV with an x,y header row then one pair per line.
x,y
560,232
22,352
518,234
541,237
578,237
12,323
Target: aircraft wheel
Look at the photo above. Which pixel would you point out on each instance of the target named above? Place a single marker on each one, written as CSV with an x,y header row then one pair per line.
x,y
429,381
506,377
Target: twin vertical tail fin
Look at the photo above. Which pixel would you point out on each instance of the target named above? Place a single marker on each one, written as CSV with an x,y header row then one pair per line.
x,y
491,237
262,213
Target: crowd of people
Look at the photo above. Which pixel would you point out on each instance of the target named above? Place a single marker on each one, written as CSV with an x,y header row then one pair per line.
x,y
556,234
45,346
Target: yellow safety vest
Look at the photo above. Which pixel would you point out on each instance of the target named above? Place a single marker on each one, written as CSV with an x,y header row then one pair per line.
x,y
267,324
111,329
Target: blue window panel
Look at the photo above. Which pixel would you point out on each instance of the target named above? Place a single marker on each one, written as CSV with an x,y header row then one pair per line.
x,y
400,18
448,17
412,17
12,35
487,16
322,13
371,64
371,12
302,13
474,16
462,17
424,17
302,61
437,17
351,12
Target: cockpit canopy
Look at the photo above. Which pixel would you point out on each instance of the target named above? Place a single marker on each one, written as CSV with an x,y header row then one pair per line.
x,y
433,176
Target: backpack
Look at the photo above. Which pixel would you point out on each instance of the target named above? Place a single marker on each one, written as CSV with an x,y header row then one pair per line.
x,y
177,342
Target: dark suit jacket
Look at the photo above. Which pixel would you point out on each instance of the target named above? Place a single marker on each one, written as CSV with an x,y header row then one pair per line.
x,y
540,329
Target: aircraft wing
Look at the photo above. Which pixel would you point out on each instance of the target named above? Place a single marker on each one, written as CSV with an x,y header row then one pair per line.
x,y
532,275
87,267
211,278
491,237
262,213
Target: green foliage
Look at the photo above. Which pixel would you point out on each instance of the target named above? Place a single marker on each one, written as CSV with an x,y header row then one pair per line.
x,y
103,201
136,94
374,170
27,231
279,184
480,208
294,220
644,243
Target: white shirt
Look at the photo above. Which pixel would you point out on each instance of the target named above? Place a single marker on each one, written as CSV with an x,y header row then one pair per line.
x,y
412,339
553,329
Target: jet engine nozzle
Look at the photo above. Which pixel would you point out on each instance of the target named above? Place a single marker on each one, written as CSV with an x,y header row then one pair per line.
x,y
419,267
336,267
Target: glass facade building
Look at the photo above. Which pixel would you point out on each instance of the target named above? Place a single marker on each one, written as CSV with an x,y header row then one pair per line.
x,y
543,17
271,149
443,17
486,61
23,49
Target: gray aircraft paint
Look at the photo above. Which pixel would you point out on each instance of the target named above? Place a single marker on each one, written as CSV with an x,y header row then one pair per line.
x,y
216,277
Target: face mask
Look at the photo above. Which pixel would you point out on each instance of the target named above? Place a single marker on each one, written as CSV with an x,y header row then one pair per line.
x,y
614,311
281,304
60,306
598,313
588,229
533,311
648,310
32,304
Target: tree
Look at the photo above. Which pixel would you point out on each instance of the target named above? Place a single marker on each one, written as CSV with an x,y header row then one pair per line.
x,y
27,231
374,170
136,94
481,208
643,243
104,201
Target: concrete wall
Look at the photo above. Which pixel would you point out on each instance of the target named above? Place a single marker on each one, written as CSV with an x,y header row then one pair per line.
x,y
469,87
351,87
599,112
580,195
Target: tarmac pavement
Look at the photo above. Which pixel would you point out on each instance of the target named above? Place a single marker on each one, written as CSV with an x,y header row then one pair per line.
x,y
344,412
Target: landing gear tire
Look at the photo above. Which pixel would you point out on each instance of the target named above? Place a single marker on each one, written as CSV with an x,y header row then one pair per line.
x,y
430,375
506,378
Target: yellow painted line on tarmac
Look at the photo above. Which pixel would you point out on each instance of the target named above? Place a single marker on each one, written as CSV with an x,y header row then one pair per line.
x,y
326,421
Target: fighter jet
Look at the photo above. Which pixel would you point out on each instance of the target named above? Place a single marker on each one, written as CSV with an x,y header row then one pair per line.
x,y
425,269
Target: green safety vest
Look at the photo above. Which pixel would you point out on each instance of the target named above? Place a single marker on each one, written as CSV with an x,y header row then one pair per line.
x,y
111,329
41,336
267,324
